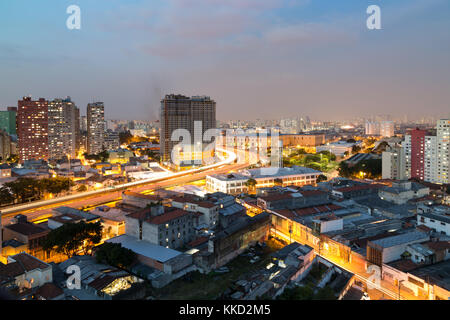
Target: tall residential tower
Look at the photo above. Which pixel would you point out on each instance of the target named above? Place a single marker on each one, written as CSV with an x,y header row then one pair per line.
x,y
189,113
32,129
63,128
95,127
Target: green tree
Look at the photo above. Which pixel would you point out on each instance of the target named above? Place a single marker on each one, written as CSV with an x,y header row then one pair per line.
x,y
25,189
356,149
321,178
6,196
325,293
297,293
82,188
114,254
73,237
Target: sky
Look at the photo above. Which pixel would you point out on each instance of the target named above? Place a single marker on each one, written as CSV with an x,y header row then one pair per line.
x,y
258,59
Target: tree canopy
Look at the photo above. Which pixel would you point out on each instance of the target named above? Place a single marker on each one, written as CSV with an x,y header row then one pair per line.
x,y
116,255
71,238
29,189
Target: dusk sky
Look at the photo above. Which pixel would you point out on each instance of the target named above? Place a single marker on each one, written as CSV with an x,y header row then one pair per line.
x,y
257,58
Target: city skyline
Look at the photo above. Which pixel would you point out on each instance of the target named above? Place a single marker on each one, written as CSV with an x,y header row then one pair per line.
x,y
277,57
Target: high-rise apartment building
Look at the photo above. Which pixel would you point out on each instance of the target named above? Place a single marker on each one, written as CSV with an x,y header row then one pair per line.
x,y
381,128
427,154
418,153
393,163
189,113
63,128
95,127
32,129
5,145
111,140
387,129
443,151
8,120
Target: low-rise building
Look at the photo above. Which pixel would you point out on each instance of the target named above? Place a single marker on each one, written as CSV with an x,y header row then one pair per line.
x,y
163,226
209,217
23,272
403,191
391,248
438,221
236,183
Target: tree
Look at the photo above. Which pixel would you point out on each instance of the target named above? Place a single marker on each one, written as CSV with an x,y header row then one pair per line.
x,y
125,137
56,185
14,158
70,238
82,188
325,293
356,149
5,196
321,178
297,293
114,254
24,189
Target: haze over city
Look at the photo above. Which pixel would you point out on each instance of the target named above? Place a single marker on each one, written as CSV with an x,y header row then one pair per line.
x,y
280,57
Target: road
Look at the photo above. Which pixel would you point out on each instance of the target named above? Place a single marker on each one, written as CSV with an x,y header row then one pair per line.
x,y
35,210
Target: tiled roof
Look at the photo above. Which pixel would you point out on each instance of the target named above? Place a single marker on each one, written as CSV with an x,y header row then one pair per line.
x,y
26,228
198,241
359,187
23,263
309,193
169,215
437,245
143,196
49,291
277,196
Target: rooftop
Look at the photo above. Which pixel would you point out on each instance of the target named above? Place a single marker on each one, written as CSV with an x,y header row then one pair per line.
x,y
145,248
401,239
26,228
169,214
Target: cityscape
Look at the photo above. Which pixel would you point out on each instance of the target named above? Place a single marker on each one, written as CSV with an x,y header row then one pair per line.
x,y
195,199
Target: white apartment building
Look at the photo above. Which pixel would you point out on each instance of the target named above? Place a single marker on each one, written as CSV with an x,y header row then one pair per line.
x,y
387,129
382,128
436,150
406,145
393,163
436,220
63,128
264,177
443,151
430,172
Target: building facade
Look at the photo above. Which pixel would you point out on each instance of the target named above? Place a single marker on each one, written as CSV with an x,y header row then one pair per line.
x,y
8,120
443,151
32,129
393,163
95,127
427,155
63,128
181,112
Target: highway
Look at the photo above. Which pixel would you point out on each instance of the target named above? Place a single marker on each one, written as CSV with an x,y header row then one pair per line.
x,y
37,209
